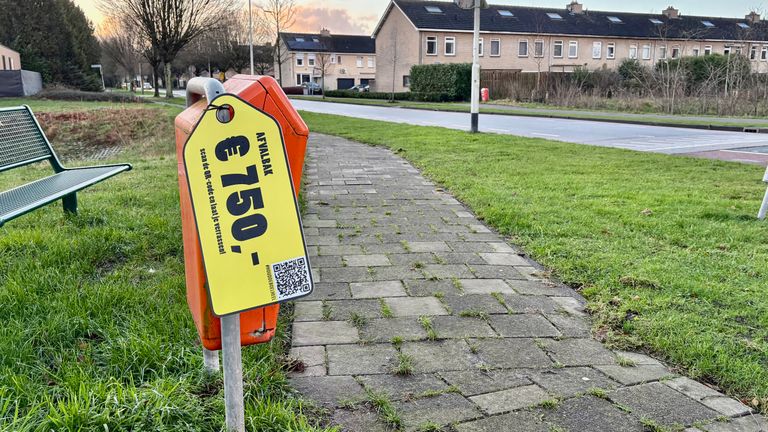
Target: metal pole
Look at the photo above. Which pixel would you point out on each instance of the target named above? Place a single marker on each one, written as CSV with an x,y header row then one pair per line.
x,y
250,32
233,373
764,208
476,70
101,71
211,360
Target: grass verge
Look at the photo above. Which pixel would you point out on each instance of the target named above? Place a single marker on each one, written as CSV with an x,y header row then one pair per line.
x,y
666,248
96,332
547,113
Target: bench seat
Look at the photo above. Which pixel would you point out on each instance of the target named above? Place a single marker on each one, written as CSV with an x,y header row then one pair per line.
x,y
23,199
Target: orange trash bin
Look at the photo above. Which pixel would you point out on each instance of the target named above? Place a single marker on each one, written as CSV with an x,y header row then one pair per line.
x,y
258,325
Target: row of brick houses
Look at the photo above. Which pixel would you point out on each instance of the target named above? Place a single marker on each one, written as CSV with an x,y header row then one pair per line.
x,y
9,59
528,39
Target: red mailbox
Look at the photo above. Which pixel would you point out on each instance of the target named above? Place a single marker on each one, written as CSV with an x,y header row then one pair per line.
x,y
256,326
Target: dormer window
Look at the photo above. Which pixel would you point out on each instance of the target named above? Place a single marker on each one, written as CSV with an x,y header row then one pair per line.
x,y
615,20
299,39
554,16
656,21
708,24
506,13
743,25
433,9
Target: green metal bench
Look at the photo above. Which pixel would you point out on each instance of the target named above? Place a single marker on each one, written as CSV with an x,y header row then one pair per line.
x,y
22,142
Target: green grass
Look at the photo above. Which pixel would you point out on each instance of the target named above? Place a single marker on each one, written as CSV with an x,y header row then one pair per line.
x,y
544,111
96,334
690,276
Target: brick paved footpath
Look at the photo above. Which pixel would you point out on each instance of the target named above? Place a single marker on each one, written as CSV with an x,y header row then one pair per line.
x,y
408,278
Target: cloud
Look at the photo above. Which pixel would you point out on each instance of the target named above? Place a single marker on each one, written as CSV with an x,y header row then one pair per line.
x,y
312,19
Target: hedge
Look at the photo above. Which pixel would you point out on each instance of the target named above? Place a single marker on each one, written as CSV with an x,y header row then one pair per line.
x,y
453,79
403,96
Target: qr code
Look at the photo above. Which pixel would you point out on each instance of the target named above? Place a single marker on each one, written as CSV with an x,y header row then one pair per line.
x,y
292,278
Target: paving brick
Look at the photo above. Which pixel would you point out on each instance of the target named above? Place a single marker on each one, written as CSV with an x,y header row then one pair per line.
x,y
377,289
329,390
461,327
312,359
368,359
523,326
383,330
511,353
496,272
441,271
727,406
373,260
570,305
485,286
523,304
520,421
635,374
420,246
342,310
359,419
527,287
398,387
324,333
442,410
308,311
653,401
437,356
750,423
329,291
691,388
428,288
415,306
504,259
579,352
475,381
472,303
592,414
571,381
511,399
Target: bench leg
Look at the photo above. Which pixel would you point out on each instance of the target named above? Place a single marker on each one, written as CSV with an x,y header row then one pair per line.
x,y
70,203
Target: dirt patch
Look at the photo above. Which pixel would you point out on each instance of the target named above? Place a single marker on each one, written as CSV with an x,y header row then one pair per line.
x,y
99,134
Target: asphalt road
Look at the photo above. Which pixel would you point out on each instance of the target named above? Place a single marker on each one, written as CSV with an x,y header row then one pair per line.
x,y
627,136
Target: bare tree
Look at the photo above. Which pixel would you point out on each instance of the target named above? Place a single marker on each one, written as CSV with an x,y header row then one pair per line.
x,y
279,15
122,47
168,25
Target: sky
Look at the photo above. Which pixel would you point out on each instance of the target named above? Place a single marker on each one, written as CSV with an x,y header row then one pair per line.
x,y
361,16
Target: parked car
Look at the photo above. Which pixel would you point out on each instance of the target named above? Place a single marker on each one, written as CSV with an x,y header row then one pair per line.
x,y
361,88
147,86
312,88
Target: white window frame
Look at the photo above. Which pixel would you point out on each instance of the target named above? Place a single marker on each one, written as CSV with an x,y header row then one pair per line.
x,y
538,43
480,47
753,52
610,51
520,44
371,63
359,61
764,53
647,52
300,60
431,39
333,58
597,50
675,52
663,52
449,40
498,43
707,50
696,51
633,52
555,44
300,78
311,60
574,45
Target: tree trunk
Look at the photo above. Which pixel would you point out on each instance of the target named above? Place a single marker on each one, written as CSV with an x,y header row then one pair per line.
x,y
155,79
168,81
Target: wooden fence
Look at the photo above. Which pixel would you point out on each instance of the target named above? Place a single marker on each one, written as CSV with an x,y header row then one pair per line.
x,y
517,85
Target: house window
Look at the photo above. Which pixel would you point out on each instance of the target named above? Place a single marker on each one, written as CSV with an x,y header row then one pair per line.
x,y
480,47
450,46
764,53
302,78
696,52
338,59
663,52
370,62
573,49
557,49
522,49
726,51
708,50
675,52
610,53
431,45
753,53
311,60
359,62
538,48
646,52
300,60
333,58
406,81
633,52
495,47
3,62
597,50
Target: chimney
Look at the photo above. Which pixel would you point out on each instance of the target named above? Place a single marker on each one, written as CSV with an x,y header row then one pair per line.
x,y
671,13
753,17
325,33
575,7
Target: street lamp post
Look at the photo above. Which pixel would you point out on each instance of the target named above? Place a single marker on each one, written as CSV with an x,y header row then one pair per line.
x,y
250,31
475,103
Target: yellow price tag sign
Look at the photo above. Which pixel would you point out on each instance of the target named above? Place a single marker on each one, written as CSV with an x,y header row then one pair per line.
x,y
245,208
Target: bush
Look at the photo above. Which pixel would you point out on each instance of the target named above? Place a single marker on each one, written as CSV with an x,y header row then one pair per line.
x,y
453,79
65,94
402,96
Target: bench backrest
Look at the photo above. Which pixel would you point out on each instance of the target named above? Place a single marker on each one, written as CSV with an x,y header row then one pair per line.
x,y
22,141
